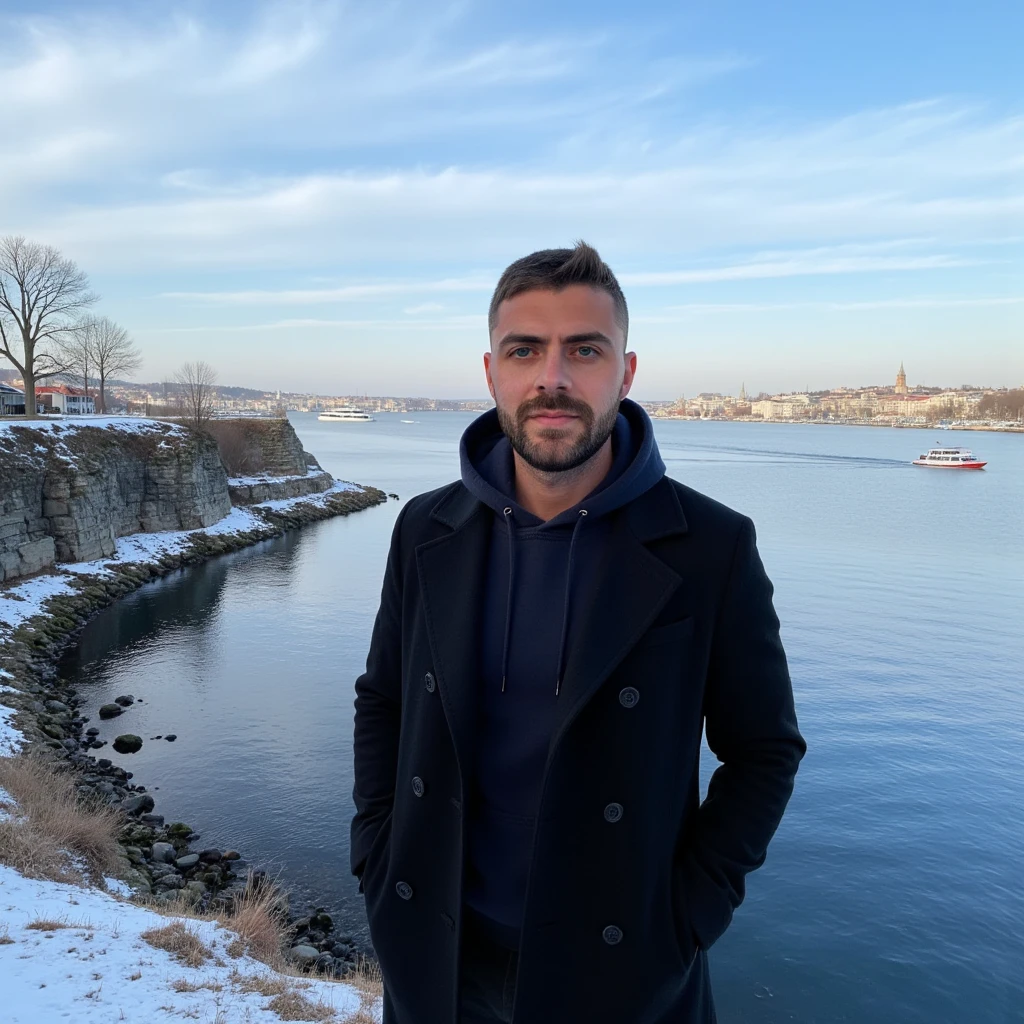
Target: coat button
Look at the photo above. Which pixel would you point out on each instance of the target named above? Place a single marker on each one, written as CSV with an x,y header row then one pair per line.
x,y
612,935
613,812
417,786
629,697
404,889
429,683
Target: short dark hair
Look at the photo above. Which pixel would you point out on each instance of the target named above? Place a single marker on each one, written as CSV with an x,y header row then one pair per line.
x,y
555,269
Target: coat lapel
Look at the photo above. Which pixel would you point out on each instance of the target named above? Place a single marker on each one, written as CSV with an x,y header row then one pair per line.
x,y
632,587
451,573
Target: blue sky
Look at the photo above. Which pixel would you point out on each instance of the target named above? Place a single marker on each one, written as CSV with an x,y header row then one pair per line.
x,y
320,195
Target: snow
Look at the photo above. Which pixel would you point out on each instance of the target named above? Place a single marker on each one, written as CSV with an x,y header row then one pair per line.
x,y
262,478
125,424
96,969
338,487
23,601
11,738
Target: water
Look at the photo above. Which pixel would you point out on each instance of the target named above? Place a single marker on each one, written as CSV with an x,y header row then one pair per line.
x,y
892,891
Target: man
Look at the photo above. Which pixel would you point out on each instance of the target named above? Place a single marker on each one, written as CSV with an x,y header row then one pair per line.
x,y
554,631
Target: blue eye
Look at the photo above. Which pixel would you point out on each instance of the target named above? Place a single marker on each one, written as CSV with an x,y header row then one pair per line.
x,y
586,350
520,352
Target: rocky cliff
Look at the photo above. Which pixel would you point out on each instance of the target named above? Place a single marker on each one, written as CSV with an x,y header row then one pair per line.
x,y
69,489
266,461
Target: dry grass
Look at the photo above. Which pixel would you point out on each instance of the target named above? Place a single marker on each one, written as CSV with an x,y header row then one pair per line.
x,y
45,925
5,939
285,995
265,984
184,985
292,1005
259,916
240,450
50,828
181,941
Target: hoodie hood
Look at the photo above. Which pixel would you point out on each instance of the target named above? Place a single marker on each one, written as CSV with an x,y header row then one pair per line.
x,y
488,468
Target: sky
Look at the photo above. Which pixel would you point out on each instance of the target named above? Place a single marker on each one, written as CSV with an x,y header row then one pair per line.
x,y
320,196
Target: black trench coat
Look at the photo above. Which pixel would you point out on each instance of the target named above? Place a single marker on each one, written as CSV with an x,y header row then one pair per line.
x,y
622,902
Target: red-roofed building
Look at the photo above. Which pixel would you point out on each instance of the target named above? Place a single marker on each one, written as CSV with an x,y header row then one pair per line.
x,y
63,398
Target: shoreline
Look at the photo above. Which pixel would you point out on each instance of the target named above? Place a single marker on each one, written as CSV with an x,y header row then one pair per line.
x,y
40,616
838,423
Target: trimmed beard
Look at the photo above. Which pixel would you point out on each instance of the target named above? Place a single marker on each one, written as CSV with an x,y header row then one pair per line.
x,y
595,432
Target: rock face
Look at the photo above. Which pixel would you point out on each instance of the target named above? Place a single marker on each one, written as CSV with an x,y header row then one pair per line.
x,y
68,490
250,491
267,461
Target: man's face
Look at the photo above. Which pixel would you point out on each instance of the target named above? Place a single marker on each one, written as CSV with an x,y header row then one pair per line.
x,y
557,371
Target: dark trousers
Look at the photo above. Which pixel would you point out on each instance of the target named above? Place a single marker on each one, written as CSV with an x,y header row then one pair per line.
x,y
488,979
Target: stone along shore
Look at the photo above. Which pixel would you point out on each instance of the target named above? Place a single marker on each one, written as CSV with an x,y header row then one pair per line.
x,y
137,500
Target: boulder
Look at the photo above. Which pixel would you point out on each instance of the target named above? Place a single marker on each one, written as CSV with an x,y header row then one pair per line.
x,y
111,710
190,860
163,853
305,953
125,700
139,804
128,744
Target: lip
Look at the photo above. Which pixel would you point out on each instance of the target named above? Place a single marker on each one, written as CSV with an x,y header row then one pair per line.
x,y
554,417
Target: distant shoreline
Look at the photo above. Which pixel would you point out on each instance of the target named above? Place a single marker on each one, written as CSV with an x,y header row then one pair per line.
x,y
840,423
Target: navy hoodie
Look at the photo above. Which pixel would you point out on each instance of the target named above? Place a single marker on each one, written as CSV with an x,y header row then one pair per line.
x,y
537,575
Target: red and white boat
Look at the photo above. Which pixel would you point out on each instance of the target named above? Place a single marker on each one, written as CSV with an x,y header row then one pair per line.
x,y
950,458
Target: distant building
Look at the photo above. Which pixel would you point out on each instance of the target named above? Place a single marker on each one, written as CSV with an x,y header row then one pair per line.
x,y
901,381
12,400
68,400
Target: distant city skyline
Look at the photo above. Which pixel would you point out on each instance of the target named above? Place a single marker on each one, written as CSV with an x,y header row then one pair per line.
x,y
320,197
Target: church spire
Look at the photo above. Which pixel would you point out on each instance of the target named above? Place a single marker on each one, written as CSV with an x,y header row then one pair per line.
x,y
901,381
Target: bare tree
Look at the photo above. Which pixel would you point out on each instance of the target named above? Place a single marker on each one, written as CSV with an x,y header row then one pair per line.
x,y
43,297
197,381
113,352
76,354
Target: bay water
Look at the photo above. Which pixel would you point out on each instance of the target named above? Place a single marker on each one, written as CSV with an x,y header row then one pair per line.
x,y
894,888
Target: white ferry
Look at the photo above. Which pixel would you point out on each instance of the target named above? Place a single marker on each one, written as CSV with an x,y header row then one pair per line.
x,y
345,415
950,458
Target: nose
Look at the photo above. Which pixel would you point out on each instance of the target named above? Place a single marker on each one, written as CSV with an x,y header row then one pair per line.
x,y
553,372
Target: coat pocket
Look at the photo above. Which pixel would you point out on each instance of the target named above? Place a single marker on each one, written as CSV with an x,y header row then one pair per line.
x,y
378,854
686,939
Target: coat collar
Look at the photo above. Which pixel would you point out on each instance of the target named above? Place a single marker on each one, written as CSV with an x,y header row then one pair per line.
x,y
655,515
634,587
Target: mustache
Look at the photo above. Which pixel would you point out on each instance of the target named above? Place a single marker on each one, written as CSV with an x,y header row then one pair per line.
x,y
554,403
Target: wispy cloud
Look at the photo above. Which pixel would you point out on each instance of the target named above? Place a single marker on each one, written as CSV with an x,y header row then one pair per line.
x,y
222,162
477,323
920,302
346,293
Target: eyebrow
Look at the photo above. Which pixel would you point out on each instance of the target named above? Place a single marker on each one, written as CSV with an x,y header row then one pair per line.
x,y
572,339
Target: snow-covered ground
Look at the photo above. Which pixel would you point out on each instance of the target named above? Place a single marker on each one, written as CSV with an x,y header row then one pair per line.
x,y
10,737
129,424
93,968
24,600
263,478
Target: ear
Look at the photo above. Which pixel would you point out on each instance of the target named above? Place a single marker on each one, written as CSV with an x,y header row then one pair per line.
x,y
487,373
628,374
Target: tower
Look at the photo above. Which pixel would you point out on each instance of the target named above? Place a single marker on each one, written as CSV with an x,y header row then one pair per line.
x,y
743,392
901,381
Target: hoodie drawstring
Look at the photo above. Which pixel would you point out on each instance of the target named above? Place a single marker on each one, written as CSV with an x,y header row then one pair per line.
x,y
511,585
507,512
568,593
